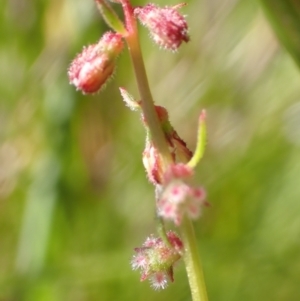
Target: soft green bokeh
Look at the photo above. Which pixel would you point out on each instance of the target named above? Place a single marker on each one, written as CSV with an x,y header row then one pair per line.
x,y
74,200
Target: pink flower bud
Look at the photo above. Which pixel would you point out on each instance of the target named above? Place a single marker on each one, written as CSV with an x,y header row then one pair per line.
x,y
153,163
167,26
91,69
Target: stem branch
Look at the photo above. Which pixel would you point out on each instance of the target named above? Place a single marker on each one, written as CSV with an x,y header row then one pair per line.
x,y
191,258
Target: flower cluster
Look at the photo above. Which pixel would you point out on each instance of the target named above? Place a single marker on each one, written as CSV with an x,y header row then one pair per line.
x,y
179,197
156,259
176,196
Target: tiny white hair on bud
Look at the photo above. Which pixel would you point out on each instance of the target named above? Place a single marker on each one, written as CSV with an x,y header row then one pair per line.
x,y
159,280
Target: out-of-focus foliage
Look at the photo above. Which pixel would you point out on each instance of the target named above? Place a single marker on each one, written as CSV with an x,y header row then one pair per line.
x,y
74,200
285,19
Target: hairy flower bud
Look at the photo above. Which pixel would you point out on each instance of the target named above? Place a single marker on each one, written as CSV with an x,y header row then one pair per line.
x,y
153,163
91,69
155,259
167,26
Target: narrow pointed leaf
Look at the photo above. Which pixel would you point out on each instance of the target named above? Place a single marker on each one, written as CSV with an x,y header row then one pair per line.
x,y
110,17
201,142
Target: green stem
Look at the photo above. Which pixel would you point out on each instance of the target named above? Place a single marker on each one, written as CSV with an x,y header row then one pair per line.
x,y
192,261
147,103
161,230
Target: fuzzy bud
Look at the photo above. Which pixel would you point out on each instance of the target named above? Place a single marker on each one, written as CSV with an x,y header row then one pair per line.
x,y
91,69
155,259
153,163
167,26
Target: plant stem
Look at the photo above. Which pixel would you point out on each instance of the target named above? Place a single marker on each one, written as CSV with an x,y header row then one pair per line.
x,y
147,103
192,261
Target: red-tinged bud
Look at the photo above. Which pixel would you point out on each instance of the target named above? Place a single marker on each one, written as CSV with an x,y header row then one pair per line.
x,y
91,69
152,159
153,163
156,259
178,147
167,26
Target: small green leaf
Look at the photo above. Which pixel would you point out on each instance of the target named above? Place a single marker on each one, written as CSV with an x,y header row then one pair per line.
x,y
201,141
129,100
110,17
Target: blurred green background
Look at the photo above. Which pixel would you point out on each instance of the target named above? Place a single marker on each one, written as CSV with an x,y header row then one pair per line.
x,y
74,200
